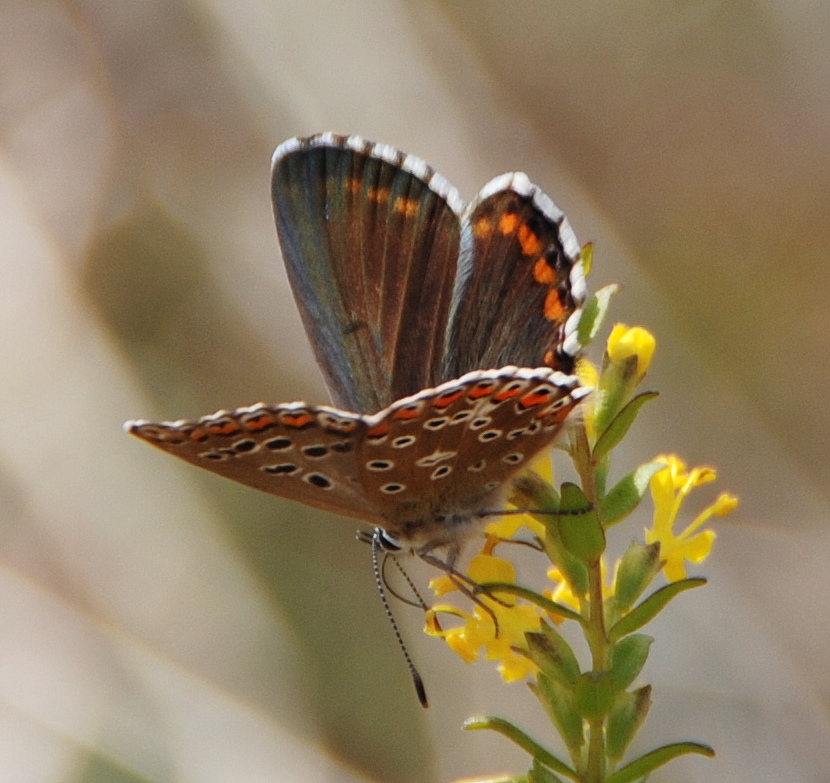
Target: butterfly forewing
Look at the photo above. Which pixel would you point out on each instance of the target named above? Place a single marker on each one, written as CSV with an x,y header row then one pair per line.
x,y
306,453
370,241
520,283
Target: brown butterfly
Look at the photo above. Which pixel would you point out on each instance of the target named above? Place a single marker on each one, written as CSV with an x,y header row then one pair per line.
x,y
446,334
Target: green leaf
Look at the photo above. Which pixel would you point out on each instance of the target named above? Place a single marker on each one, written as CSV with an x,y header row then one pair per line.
x,y
541,774
532,597
553,655
639,565
648,609
628,656
594,695
657,758
572,568
617,381
532,492
579,526
586,255
620,424
593,313
523,741
624,721
558,702
628,492
540,499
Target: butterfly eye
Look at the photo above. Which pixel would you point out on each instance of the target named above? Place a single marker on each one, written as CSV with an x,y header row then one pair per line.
x,y
386,542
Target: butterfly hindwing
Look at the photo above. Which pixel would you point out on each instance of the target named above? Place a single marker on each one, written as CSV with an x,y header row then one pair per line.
x,y
520,282
451,445
370,241
442,450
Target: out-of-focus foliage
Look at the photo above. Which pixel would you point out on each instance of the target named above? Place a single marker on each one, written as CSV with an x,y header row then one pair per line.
x,y
159,625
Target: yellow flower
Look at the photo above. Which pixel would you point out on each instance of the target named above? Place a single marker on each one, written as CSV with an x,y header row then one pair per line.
x,y
669,489
628,355
588,376
625,342
507,526
478,633
563,592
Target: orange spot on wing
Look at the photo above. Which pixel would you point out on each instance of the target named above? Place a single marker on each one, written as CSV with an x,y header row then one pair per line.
x,y
299,419
550,359
534,398
445,400
554,308
407,206
406,414
483,228
226,427
506,394
261,422
379,431
481,391
543,272
509,223
379,195
199,435
531,244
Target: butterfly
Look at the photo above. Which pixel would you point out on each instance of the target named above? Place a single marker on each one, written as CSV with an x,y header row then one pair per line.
x,y
446,334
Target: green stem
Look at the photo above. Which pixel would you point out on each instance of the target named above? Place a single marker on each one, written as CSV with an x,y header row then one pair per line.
x,y
598,642
595,631
595,769
585,464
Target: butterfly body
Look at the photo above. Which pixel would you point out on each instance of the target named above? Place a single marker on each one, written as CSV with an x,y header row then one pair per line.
x,y
409,298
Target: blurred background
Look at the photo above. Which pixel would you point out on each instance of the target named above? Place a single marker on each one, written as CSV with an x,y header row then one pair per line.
x,y
157,624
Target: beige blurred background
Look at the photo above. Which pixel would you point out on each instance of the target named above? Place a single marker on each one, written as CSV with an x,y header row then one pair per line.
x,y
157,624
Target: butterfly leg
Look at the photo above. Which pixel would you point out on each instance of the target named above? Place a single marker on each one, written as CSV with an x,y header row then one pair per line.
x,y
466,586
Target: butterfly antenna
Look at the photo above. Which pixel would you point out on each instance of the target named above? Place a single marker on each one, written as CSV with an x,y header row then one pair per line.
x,y
419,602
379,581
543,511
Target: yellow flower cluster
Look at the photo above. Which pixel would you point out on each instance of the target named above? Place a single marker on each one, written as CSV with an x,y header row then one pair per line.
x,y
669,489
479,631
